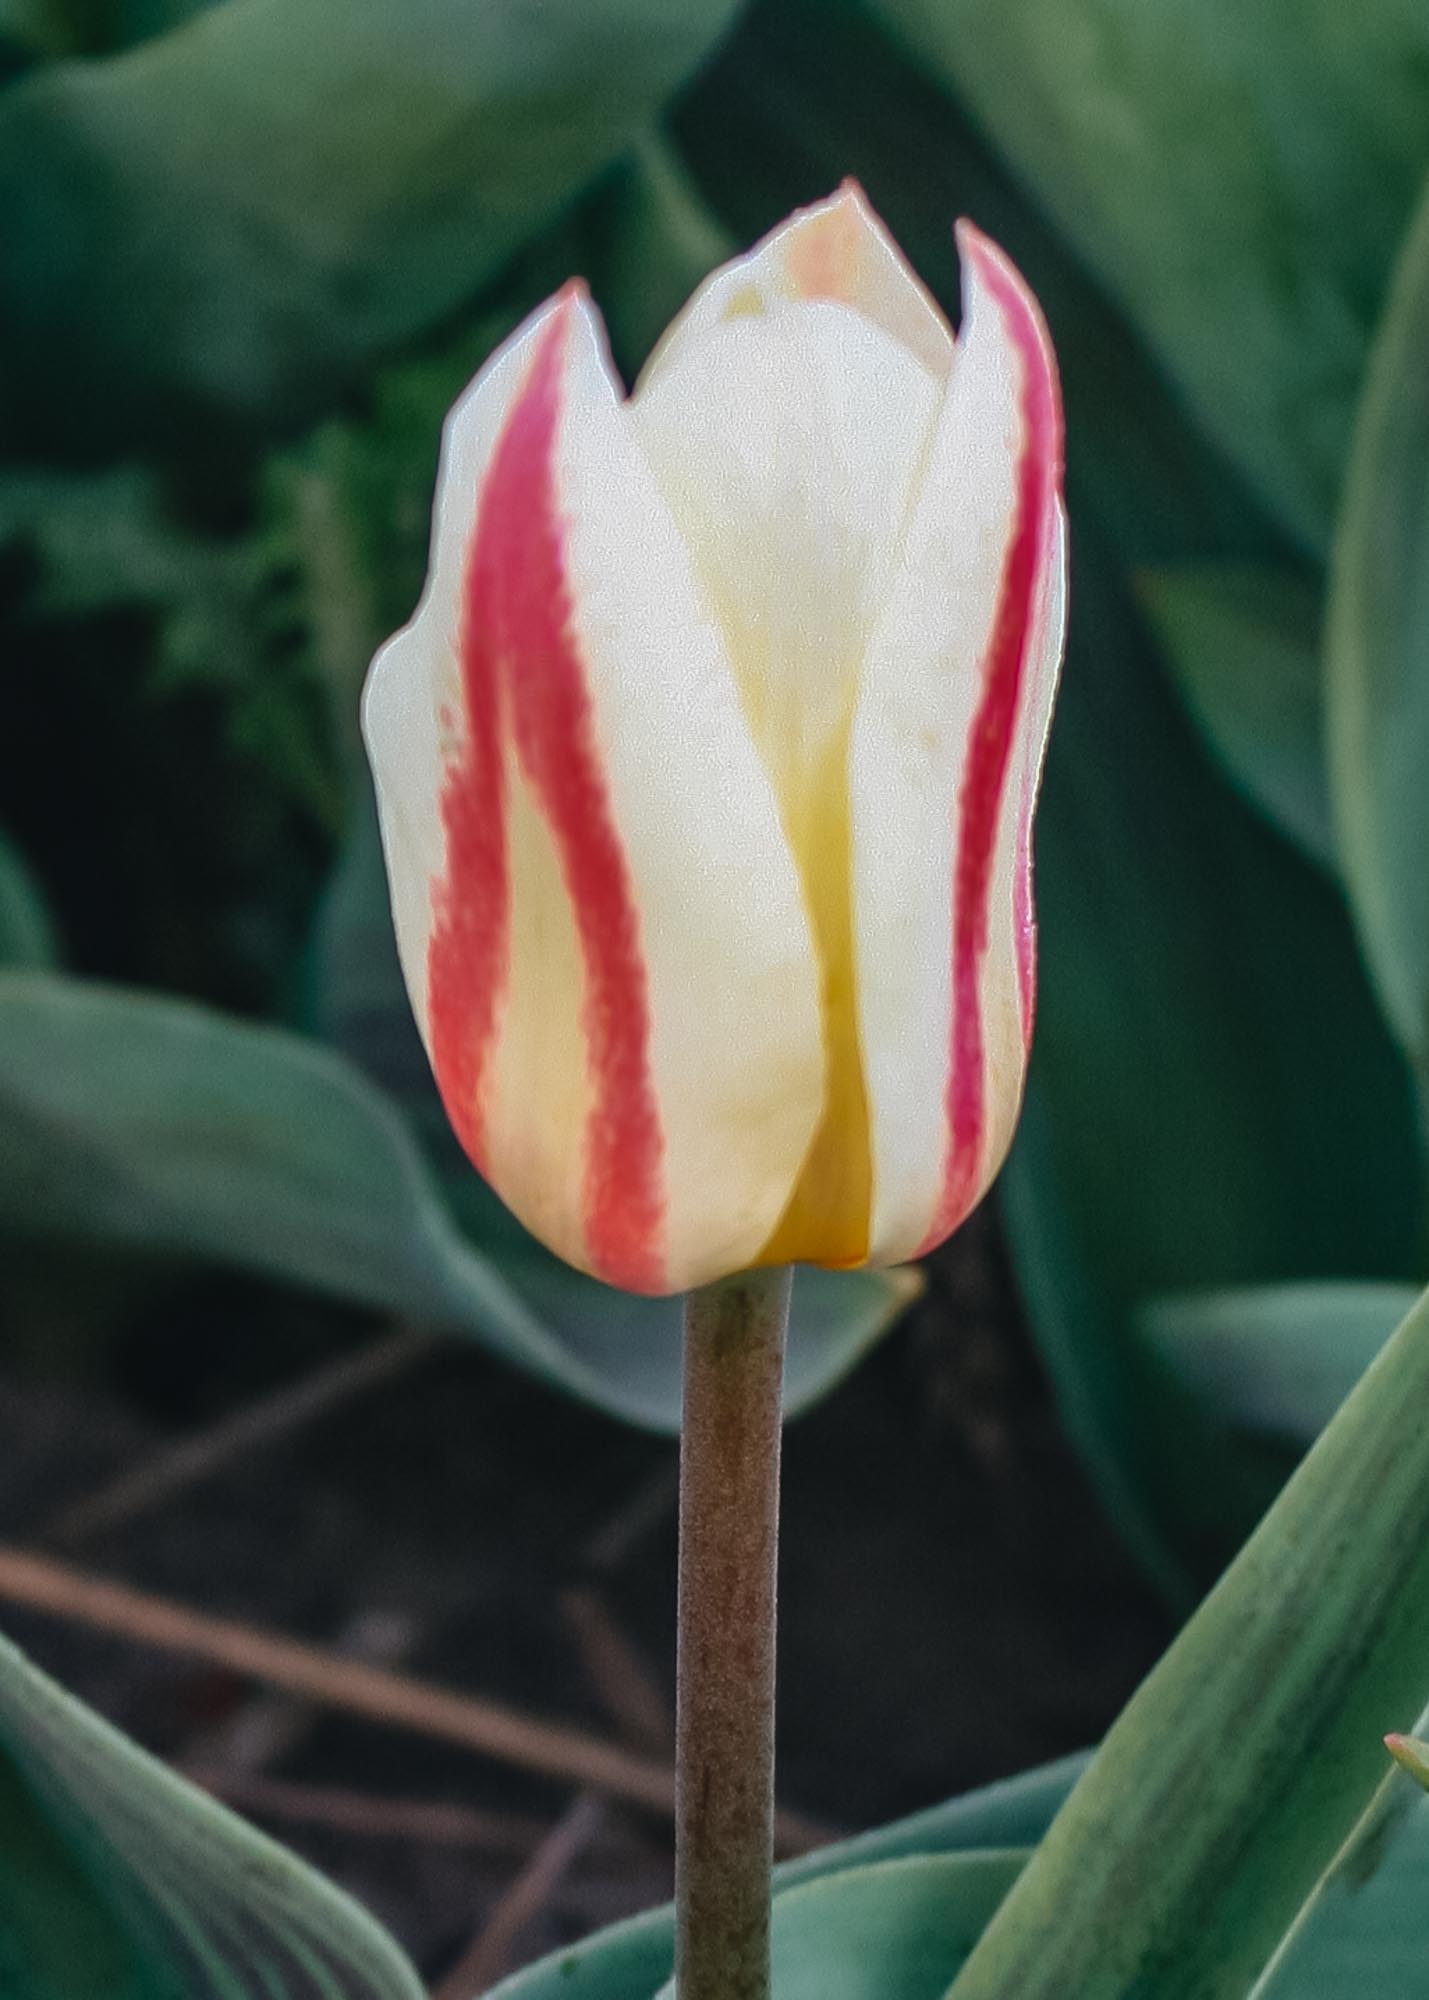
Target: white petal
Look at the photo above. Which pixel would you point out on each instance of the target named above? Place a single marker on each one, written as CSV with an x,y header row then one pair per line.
x,y
655,1065
836,250
947,747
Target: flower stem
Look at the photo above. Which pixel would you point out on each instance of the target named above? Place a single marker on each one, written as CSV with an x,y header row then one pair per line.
x,y
729,1537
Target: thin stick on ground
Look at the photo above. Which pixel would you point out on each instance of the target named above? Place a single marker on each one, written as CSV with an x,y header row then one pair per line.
x,y
494,1949
169,1471
556,1750
368,1816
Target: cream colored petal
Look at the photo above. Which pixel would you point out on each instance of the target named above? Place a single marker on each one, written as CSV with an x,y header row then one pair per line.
x,y
837,251
947,747
788,447
652,1070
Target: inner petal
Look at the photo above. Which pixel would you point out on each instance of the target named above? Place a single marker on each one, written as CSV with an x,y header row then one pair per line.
x,y
788,447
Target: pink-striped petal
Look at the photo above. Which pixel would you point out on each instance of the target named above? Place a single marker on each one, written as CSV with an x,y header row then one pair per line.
x,y
947,746
607,946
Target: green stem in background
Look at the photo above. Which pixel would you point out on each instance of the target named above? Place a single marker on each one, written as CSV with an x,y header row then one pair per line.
x,y
729,1538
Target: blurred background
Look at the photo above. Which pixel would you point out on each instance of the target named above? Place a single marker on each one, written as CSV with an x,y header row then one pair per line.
x,y
268,1351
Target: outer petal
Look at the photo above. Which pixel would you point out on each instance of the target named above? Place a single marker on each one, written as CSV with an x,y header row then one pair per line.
x,y
837,250
599,917
954,707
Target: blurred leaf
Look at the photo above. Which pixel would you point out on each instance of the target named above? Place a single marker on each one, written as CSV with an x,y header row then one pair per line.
x,y
228,222
1240,177
632,1958
1279,1359
27,936
654,240
156,1124
101,539
118,1881
896,1931
1244,646
1178,1135
1247,1757
807,91
1378,657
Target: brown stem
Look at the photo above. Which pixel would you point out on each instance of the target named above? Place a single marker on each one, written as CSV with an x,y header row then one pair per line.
x,y
729,1534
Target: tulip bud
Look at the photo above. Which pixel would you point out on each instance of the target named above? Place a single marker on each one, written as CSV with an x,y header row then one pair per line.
x,y
707,763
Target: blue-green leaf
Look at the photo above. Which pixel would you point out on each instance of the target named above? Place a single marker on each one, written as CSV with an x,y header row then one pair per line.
x,y
160,1125
1244,646
1239,176
896,1931
1277,1360
118,1881
633,1958
1378,657
227,222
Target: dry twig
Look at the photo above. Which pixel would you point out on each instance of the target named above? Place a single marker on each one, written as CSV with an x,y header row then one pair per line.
x,y
554,1749
494,1947
164,1473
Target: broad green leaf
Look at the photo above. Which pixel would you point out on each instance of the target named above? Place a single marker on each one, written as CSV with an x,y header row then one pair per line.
x,y
227,222
1378,657
1248,1756
1178,1134
634,1957
896,1931
1279,1359
1239,176
1363,1930
118,1881
27,936
160,1125
1244,647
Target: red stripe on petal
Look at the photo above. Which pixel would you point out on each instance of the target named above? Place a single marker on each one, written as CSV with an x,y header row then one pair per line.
x,y
521,617
1005,676
467,953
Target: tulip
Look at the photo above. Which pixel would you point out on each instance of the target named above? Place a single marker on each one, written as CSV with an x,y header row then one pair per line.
x,y
707,763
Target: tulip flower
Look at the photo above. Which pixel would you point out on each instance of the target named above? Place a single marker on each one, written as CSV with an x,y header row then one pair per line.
x,y
707,764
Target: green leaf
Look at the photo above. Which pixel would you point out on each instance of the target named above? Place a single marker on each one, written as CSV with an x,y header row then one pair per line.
x,y
1363,1930
227,222
159,1125
1277,1360
897,1931
27,936
1244,647
1247,1757
633,1958
1178,1135
1378,657
118,1881
1239,176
